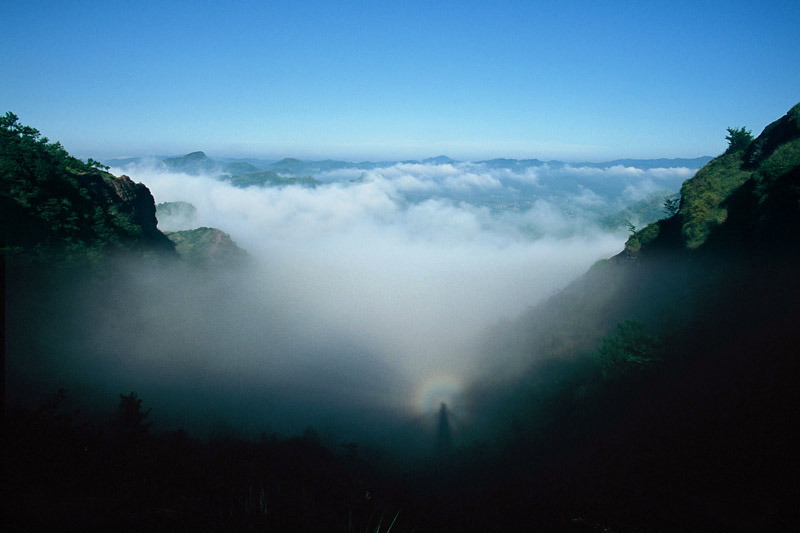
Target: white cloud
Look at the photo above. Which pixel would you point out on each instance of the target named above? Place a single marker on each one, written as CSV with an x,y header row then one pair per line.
x,y
587,198
365,239
350,279
669,173
640,191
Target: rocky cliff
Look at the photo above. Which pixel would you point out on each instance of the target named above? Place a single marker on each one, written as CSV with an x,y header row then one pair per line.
x,y
55,206
207,246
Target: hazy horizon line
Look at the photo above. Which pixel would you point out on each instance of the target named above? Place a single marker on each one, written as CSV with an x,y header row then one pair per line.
x,y
393,160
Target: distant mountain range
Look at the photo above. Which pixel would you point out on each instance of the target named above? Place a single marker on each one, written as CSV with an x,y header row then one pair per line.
x,y
197,163
604,192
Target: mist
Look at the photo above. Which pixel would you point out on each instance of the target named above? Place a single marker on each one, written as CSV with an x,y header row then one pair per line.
x,y
357,312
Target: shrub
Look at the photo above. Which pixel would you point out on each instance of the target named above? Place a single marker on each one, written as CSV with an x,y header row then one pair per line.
x,y
738,139
631,349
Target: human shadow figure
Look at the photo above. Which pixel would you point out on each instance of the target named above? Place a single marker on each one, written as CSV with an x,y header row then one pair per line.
x,y
444,434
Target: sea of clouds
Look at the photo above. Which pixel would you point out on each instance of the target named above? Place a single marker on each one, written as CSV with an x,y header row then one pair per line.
x,y
361,294
416,276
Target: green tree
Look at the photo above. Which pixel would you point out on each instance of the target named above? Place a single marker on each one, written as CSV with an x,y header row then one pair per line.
x,y
631,349
738,139
130,423
672,204
96,164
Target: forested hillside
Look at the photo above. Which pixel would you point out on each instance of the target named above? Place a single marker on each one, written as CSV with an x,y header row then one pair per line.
x,y
55,206
660,388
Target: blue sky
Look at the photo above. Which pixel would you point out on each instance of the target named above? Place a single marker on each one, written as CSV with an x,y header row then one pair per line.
x,y
392,80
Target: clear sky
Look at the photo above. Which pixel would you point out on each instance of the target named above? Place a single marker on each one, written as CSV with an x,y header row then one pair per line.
x,y
401,79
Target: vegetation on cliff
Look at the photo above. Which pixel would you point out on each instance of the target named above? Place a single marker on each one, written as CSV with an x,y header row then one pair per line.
x,y
662,389
55,206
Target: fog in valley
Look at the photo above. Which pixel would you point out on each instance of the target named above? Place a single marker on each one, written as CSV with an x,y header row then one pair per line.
x,y
360,305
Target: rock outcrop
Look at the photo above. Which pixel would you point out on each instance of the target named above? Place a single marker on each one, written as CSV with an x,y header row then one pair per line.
x,y
129,197
204,246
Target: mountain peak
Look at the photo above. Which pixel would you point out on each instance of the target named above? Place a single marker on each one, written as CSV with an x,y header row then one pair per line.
x,y
439,160
192,163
